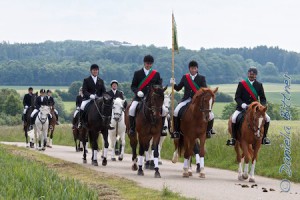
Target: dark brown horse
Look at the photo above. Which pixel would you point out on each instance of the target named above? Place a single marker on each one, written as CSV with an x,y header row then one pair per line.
x,y
148,125
77,134
193,126
51,128
249,138
27,119
98,118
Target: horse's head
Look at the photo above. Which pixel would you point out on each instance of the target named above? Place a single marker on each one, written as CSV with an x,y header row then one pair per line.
x,y
105,105
155,99
256,120
167,101
33,99
118,108
204,100
44,111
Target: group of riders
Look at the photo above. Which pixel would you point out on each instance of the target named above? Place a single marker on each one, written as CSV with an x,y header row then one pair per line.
x,y
248,91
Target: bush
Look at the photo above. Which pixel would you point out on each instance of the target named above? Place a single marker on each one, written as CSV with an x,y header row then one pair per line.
x,y
222,97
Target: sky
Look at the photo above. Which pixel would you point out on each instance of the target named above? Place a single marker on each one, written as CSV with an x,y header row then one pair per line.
x,y
200,23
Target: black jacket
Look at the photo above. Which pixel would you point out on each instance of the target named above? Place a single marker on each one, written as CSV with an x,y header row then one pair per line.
x,y
138,77
242,96
119,94
50,101
89,87
79,99
188,92
27,100
39,102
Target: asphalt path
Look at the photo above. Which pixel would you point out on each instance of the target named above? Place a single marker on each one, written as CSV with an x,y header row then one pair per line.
x,y
218,184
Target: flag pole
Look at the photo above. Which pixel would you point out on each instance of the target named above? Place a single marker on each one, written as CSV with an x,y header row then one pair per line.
x,y
172,93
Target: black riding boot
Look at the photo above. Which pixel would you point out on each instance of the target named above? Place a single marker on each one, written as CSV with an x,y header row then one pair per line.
x,y
57,122
231,142
132,125
80,119
209,130
266,140
176,132
164,128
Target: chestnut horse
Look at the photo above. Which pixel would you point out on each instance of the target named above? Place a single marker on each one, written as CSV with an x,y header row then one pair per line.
x,y
52,124
148,126
193,126
249,137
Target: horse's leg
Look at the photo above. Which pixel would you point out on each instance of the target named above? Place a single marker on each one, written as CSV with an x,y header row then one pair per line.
x,y
202,154
162,139
75,140
141,159
175,154
113,138
122,136
26,136
187,155
156,156
255,153
83,133
197,155
133,144
239,160
51,137
94,142
106,144
148,155
246,159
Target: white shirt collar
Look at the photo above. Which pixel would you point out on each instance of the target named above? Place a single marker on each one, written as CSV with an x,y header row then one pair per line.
x,y
193,77
251,81
146,71
114,91
94,78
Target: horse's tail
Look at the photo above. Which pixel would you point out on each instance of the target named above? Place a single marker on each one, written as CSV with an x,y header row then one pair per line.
x,y
180,144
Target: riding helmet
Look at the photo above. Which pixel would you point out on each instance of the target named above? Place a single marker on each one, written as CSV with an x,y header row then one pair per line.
x,y
49,91
114,81
42,91
94,66
148,59
193,64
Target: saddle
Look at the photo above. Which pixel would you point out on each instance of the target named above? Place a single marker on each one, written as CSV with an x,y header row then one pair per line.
x,y
183,110
239,121
85,111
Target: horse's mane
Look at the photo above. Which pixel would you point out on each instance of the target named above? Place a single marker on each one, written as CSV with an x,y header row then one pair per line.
x,y
200,92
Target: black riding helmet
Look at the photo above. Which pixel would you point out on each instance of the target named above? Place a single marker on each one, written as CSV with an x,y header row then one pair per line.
x,y
193,64
94,66
49,91
42,91
148,59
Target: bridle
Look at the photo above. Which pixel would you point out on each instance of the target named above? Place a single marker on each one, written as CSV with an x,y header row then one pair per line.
x,y
153,109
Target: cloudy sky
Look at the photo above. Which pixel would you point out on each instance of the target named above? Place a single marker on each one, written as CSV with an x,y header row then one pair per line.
x,y
200,23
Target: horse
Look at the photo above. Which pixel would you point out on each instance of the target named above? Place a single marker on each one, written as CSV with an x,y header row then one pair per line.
x,y
98,118
193,126
149,154
51,128
41,127
27,119
249,138
117,121
78,136
148,125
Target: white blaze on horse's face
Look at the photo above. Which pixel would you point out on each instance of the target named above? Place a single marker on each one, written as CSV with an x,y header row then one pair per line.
x,y
118,109
260,119
210,103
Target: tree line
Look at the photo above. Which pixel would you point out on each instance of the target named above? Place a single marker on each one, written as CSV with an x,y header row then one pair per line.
x,y
61,63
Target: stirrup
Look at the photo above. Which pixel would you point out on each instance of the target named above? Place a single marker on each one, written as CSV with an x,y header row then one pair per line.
x,y
266,141
230,142
175,135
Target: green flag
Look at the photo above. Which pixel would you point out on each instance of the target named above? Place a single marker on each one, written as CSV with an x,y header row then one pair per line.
x,y
174,34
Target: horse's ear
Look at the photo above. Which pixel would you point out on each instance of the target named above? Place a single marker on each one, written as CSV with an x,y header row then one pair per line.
x,y
165,88
215,90
256,108
265,108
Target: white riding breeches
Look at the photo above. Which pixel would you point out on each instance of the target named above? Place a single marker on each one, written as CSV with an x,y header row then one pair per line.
x,y
24,111
236,113
56,111
75,113
33,112
83,104
134,105
180,105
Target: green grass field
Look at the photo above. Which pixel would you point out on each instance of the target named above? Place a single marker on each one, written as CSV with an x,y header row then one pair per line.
x,y
69,106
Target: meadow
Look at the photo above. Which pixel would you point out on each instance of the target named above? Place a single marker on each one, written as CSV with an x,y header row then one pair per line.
x,y
217,153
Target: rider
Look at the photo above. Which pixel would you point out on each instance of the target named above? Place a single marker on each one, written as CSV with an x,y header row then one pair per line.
x,y
191,82
92,88
79,99
141,82
248,91
50,101
40,101
27,102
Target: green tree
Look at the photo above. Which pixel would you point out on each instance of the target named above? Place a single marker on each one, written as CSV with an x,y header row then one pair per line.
x,y
228,110
13,105
74,88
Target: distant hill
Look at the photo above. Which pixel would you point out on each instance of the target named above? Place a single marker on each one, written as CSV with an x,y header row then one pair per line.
x,y
61,63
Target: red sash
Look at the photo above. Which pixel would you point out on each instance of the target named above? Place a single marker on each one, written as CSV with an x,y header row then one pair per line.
x,y
147,79
246,86
192,83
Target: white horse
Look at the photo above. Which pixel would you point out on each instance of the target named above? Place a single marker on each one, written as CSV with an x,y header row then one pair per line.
x,y
41,127
118,122
149,154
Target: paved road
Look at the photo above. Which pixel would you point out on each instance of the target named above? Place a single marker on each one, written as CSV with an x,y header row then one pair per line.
x,y
218,184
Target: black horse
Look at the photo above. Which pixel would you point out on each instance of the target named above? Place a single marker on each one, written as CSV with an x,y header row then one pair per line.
x,y
97,119
27,118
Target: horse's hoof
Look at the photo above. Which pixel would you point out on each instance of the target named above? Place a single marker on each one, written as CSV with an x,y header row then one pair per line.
x,y
104,162
202,175
190,173
157,174
49,146
152,165
43,149
84,161
113,159
198,168
185,175
134,167
120,158
147,164
159,162
252,180
95,162
245,176
175,158
140,172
